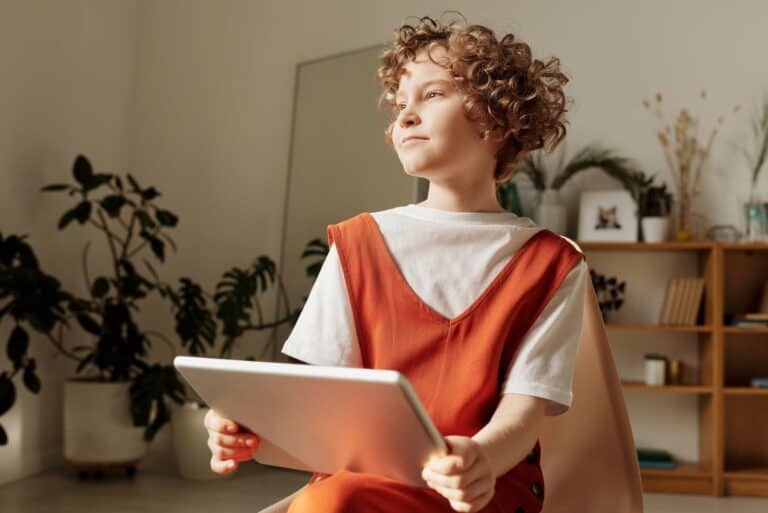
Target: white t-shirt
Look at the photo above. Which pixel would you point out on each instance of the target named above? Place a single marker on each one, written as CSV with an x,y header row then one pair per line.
x,y
448,259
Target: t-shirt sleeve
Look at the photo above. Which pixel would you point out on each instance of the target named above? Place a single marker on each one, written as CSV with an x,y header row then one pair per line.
x,y
324,333
544,363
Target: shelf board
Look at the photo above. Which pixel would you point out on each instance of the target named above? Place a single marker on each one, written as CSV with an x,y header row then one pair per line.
x,y
645,246
750,473
637,386
745,391
684,469
745,330
745,246
659,327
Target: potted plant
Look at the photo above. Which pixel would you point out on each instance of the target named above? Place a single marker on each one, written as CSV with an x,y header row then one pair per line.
x,y
32,300
118,400
654,210
198,315
550,211
756,208
687,155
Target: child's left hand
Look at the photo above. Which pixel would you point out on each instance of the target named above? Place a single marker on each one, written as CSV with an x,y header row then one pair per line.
x,y
463,476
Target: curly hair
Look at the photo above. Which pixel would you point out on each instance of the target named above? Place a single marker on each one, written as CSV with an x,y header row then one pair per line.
x,y
508,92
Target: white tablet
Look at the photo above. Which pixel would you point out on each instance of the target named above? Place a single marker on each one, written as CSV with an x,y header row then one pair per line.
x,y
320,418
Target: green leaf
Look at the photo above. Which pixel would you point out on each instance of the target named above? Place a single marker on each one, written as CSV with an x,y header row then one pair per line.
x,y
112,204
150,193
100,287
7,393
31,381
88,324
83,211
166,218
68,217
82,170
134,183
18,343
146,221
55,187
158,248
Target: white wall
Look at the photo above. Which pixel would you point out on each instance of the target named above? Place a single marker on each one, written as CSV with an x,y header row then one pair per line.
x,y
67,70
195,97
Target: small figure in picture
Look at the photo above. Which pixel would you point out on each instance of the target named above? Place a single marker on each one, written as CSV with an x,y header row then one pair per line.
x,y
607,219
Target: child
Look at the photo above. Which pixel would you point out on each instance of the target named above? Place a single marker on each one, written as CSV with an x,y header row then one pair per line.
x,y
480,309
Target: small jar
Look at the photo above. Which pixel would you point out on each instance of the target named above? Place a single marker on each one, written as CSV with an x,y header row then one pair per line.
x,y
655,369
675,372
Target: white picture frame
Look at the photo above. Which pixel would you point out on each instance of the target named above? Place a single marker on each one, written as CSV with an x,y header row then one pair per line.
x,y
607,216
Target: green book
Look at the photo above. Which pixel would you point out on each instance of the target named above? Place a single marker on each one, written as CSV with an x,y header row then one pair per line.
x,y
658,455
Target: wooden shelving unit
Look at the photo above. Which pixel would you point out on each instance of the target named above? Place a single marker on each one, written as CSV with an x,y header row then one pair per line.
x,y
732,416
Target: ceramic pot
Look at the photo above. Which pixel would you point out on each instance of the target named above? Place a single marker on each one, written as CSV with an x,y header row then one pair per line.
x,y
655,229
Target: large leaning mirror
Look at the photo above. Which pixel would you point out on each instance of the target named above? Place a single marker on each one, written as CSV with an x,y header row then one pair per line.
x,y
340,164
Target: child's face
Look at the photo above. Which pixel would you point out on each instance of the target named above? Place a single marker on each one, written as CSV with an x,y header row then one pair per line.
x,y
452,149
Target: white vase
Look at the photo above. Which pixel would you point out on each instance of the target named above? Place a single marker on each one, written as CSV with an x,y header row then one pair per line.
x,y
98,427
550,212
655,229
190,442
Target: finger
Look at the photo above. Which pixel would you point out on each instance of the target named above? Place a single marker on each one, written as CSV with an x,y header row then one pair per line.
x,y
224,453
447,465
235,441
215,422
469,494
222,466
461,480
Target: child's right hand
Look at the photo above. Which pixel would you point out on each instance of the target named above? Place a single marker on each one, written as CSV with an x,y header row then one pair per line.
x,y
229,442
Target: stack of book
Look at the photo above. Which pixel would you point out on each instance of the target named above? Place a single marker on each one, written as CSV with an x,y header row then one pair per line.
x,y
750,320
682,301
655,458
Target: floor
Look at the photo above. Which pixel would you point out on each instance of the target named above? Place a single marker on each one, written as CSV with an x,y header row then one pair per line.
x,y
251,488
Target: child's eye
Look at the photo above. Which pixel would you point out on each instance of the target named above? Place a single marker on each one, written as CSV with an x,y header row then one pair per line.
x,y
401,106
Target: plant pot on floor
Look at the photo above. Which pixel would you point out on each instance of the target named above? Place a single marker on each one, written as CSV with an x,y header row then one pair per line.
x,y
190,442
98,429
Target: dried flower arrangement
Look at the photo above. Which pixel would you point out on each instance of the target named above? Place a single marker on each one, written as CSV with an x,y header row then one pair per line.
x,y
686,157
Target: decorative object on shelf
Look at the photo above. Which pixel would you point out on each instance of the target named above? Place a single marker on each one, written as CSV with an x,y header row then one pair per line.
x,y
682,301
686,155
654,208
675,372
755,210
655,369
655,458
607,216
723,233
759,382
550,211
609,292
509,198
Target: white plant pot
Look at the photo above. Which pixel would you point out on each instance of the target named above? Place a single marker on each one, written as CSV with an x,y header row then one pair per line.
x,y
98,428
655,229
550,213
190,443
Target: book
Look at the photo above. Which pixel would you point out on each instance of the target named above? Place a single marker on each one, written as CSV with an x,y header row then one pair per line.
x,y
656,464
654,455
667,308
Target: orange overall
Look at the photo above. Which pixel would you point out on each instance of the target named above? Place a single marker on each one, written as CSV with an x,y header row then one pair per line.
x,y
456,366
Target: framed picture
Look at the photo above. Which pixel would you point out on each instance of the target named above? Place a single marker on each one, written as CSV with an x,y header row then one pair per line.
x,y
607,216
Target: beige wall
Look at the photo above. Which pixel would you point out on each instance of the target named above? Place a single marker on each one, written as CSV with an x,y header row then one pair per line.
x,y
195,97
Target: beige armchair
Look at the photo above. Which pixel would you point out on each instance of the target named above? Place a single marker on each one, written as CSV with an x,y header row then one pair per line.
x,y
588,454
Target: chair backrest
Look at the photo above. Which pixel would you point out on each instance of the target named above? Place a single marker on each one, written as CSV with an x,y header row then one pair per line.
x,y
588,453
